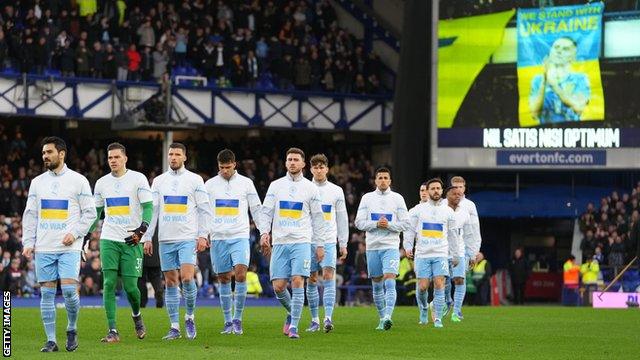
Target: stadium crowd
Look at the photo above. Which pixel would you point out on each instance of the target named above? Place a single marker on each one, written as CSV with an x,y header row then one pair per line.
x,y
260,159
283,44
612,231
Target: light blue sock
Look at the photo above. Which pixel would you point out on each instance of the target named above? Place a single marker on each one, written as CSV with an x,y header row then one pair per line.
x,y
48,312
313,299
438,302
329,297
458,298
172,300
297,302
390,296
421,298
285,299
239,299
225,301
190,291
378,297
72,303
447,290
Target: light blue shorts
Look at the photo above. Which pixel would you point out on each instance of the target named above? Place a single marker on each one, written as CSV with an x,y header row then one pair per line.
x,y
380,262
175,253
289,260
329,258
461,269
58,265
225,254
431,267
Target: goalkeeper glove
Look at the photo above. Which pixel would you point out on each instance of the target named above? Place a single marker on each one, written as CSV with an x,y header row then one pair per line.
x,y
134,238
85,246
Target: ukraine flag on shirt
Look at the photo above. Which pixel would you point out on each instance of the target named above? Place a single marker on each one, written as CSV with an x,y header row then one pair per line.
x,y
378,216
326,212
175,204
227,207
290,209
432,230
51,209
118,206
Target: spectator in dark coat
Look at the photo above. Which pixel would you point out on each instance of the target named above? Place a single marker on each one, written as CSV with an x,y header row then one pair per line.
x,y
519,272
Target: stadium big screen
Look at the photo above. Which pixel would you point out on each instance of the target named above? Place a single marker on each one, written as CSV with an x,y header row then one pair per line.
x,y
540,88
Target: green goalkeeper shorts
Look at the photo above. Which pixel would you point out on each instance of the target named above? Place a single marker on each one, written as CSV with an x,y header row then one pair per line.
x,y
126,259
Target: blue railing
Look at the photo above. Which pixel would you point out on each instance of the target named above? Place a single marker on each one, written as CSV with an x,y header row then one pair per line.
x,y
84,98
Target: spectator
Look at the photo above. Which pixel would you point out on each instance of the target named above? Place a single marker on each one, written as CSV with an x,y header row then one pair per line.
x,y
83,60
14,277
146,64
285,73
134,63
88,287
111,68
31,284
67,58
180,50
146,34
160,61
220,61
97,60
238,75
519,272
252,69
209,58
616,253
588,244
481,273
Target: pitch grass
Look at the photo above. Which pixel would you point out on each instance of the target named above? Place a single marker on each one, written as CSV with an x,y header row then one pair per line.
x,y
486,333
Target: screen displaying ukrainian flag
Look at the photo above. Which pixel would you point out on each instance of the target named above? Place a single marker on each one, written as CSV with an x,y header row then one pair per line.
x,y
432,230
465,46
326,212
290,209
118,206
378,216
175,204
558,67
227,207
52,209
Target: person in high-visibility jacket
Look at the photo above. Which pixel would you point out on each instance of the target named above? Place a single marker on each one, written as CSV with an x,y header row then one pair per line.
x,y
590,271
254,287
481,273
571,273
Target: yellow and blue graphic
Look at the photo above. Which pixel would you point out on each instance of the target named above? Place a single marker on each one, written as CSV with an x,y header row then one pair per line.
x,y
432,230
326,212
118,206
378,216
227,207
290,209
465,46
558,67
175,204
52,209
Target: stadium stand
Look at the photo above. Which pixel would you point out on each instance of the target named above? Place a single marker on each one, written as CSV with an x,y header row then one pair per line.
x,y
246,44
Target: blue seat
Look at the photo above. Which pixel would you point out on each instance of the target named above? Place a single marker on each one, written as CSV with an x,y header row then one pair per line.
x,y
10,71
52,72
179,70
191,71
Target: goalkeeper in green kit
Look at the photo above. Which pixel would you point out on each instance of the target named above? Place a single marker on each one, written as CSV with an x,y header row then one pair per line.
x,y
125,197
